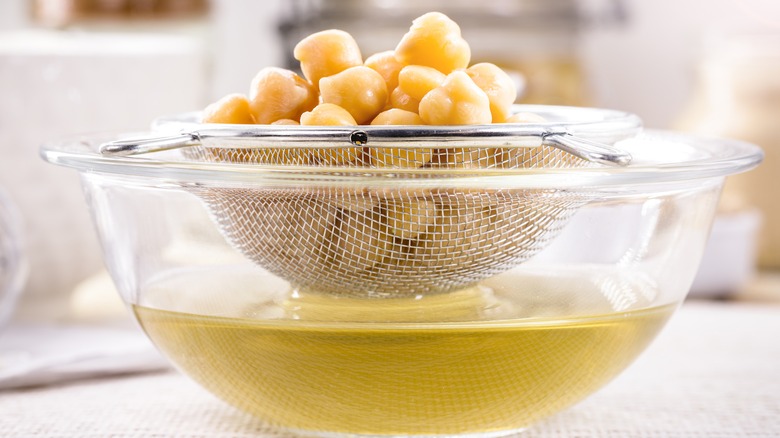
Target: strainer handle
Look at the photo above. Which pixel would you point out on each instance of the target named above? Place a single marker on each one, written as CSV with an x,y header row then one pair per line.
x,y
588,149
136,146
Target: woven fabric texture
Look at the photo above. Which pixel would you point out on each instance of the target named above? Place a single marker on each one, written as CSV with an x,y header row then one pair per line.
x,y
713,372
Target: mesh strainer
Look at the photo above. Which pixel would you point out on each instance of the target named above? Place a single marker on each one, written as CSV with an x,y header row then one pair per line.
x,y
350,238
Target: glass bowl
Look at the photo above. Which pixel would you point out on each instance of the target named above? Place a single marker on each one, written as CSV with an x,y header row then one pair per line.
x,y
12,266
487,357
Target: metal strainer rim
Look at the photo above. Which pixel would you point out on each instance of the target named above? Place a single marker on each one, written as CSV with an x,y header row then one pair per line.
x,y
714,158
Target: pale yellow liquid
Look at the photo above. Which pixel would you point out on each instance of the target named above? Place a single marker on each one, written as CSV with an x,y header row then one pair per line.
x,y
395,377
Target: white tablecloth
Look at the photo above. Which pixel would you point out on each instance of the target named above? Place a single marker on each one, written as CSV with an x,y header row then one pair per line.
x,y
713,372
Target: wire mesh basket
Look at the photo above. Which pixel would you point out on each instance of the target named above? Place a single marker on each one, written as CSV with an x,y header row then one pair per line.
x,y
368,238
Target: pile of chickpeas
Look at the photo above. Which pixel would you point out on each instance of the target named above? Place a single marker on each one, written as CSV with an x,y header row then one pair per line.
x,y
425,80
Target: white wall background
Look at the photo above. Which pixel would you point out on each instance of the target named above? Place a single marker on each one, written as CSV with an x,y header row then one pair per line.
x,y
649,66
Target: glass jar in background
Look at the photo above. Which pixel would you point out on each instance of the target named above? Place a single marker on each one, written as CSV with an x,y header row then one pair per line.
x,y
534,39
58,13
739,97
12,265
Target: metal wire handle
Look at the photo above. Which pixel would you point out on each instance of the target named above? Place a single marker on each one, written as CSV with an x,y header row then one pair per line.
x,y
503,136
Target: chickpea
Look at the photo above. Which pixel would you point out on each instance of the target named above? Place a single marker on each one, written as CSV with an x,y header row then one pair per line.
x,y
443,241
291,213
434,40
276,93
397,157
359,242
285,122
458,101
455,217
326,53
395,116
418,80
328,114
409,218
498,86
386,65
401,100
233,108
360,90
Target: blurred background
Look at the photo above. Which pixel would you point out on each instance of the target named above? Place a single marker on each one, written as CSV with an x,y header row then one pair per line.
x,y
76,66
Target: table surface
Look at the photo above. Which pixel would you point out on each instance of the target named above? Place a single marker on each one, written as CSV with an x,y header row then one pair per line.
x,y
713,372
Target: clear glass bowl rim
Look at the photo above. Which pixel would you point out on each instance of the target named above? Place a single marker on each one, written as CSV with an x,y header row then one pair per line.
x,y
16,267
715,157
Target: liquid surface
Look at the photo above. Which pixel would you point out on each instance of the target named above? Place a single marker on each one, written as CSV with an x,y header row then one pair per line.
x,y
347,366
